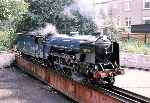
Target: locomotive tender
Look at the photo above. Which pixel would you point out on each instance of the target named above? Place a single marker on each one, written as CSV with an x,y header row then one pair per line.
x,y
80,59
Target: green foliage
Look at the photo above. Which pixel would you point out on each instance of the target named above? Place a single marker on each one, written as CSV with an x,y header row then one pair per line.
x,y
12,9
85,25
48,9
111,30
134,47
6,38
20,15
76,23
28,22
11,13
42,11
52,11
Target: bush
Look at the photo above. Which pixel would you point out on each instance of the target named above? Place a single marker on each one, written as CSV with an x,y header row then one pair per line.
x,y
11,14
134,47
6,39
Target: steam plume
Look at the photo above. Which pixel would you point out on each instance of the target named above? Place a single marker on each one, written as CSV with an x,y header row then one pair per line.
x,y
86,8
77,36
48,29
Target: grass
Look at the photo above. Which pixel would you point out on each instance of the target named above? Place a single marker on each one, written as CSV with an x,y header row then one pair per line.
x,y
133,46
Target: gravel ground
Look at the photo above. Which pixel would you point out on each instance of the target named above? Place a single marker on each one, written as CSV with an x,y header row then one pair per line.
x,y
17,87
135,81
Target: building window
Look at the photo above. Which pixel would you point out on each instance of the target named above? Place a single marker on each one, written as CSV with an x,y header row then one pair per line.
x,y
128,21
146,4
127,6
146,20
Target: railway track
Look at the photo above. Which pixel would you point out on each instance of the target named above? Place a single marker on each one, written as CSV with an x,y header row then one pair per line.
x,y
124,95
117,93
75,90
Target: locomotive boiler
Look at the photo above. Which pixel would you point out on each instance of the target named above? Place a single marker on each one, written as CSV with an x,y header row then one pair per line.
x,y
95,61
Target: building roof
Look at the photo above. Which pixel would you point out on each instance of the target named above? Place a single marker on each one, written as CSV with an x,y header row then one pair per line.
x,y
141,28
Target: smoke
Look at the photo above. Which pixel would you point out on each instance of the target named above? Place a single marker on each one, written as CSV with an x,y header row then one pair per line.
x,y
88,9
47,29
85,37
77,36
84,7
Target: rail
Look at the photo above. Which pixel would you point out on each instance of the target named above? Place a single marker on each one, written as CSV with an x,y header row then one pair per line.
x,y
125,95
75,90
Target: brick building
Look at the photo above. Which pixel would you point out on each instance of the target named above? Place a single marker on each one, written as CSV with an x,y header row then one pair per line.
x,y
125,13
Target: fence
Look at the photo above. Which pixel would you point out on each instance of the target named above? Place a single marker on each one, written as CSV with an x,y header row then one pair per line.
x,y
140,37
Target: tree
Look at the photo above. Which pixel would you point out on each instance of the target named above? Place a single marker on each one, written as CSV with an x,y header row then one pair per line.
x,y
11,13
41,11
85,25
12,9
110,29
51,11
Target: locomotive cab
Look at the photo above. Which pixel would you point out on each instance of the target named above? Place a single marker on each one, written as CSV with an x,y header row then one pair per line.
x,y
107,60
39,39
